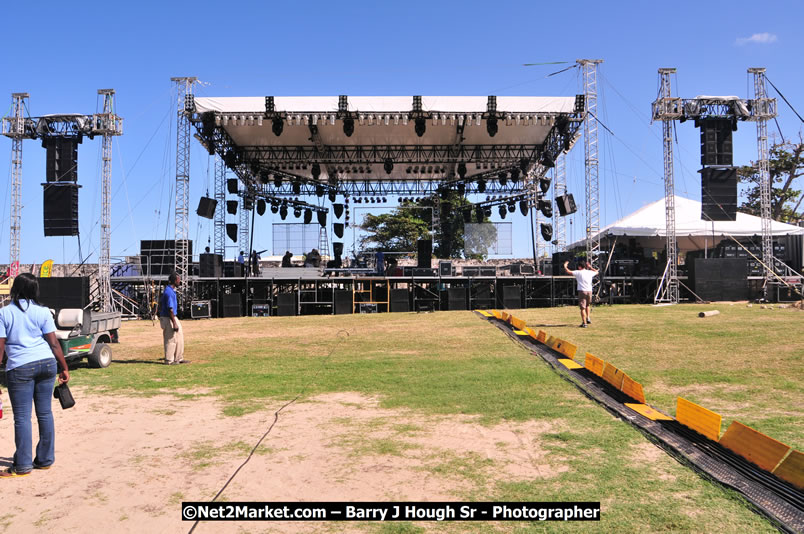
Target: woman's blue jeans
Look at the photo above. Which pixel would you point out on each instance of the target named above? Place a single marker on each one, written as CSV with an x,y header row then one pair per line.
x,y
26,383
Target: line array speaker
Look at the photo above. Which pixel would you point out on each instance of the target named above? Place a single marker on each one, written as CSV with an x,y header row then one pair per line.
x,y
206,207
566,205
716,142
719,193
425,253
61,162
61,209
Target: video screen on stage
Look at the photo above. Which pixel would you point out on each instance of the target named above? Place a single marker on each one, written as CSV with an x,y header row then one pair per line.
x,y
298,238
488,239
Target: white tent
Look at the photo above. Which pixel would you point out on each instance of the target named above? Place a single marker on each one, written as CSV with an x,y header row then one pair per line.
x,y
692,233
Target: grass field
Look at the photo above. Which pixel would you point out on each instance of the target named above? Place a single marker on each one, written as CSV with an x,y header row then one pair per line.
x,y
744,363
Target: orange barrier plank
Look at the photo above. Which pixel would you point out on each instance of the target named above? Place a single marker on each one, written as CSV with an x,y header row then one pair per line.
x,y
506,317
754,446
531,332
496,313
518,323
698,418
650,413
792,469
550,341
568,349
633,389
542,336
570,364
613,376
594,364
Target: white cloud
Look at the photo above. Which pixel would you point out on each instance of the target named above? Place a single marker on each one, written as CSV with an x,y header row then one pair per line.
x,y
758,38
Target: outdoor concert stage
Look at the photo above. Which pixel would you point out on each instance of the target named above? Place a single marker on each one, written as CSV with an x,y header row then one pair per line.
x,y
307,292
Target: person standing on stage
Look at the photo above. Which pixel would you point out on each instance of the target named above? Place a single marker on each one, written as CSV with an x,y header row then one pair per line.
x,y
172,333
583,276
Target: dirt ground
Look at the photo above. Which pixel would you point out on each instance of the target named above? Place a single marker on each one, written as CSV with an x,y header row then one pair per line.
x,y
125,464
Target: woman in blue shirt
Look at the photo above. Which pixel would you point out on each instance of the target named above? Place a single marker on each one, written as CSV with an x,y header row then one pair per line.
x,y
27,334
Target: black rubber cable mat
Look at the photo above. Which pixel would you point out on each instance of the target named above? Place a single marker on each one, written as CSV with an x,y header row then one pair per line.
x,y
779,501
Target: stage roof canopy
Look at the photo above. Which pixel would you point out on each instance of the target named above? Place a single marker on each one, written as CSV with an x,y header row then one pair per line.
x,y
692,233
328,139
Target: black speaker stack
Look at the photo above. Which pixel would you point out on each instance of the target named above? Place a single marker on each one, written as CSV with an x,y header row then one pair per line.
x,y
425,253
159,256
719,278
286,304
61,163
456,298
232,305
64,292
206,207
343,302
61,209
445,268
210,265
400,300
512,297
718,176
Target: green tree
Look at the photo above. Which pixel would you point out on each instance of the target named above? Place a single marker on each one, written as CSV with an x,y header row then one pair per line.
x,y
786,166
399,230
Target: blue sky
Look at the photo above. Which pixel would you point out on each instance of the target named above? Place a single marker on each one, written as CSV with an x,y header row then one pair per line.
x,y
61,53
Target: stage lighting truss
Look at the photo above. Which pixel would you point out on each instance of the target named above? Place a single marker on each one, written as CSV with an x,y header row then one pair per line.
x,y
505,204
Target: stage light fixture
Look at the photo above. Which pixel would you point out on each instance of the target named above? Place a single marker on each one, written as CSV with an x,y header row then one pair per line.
x,y
514,174
277,125
503,212
547,231
491,126
388,166
308,216
523,207
296,188
231,186
337,228
265,177
230,158
261,206
283,211
462,189
319,190
331,195
487,211
479,214
322,218
315,171
481,186
544,184
503,178
461,170
277,181
420,126
511,207
524,163
337,209
297,212
231,207
274,208
384,200
348,126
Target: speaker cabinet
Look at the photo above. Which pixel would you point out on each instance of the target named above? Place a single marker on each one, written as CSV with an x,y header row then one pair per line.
x,y
445,268
210,265
720,278
719,193
286,304
471,271
343,302
488,271
206,207
457,298
64,292
566,205
200,309
716,142
232,305
61,160
512,297
400,300
425,253
61,209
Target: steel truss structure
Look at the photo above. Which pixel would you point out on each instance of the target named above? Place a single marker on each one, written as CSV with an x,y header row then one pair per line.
x,y
184,92
589,69
220,207
764,108
667,109
106,124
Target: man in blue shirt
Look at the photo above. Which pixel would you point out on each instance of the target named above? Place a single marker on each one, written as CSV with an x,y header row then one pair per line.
x,y
172,333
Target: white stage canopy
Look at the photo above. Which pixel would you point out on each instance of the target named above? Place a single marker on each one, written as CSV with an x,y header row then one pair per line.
x,y
692,233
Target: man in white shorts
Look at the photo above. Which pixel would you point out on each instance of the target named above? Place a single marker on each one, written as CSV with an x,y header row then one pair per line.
x,y
583,276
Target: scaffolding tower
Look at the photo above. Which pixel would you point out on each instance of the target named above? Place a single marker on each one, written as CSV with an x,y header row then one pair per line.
x,y
667,109
589,70
185,102
108,125
764,109
559,189
16,130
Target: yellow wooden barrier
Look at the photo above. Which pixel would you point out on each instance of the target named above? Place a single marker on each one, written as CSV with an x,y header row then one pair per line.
x,y
541,336
754,446
633,389
594,364
613,376
792,469
698,418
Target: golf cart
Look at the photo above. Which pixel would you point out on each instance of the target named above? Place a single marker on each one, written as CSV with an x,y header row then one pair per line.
x,y
87,334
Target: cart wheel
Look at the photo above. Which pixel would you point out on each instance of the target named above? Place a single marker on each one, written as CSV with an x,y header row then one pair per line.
x,y
101,356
